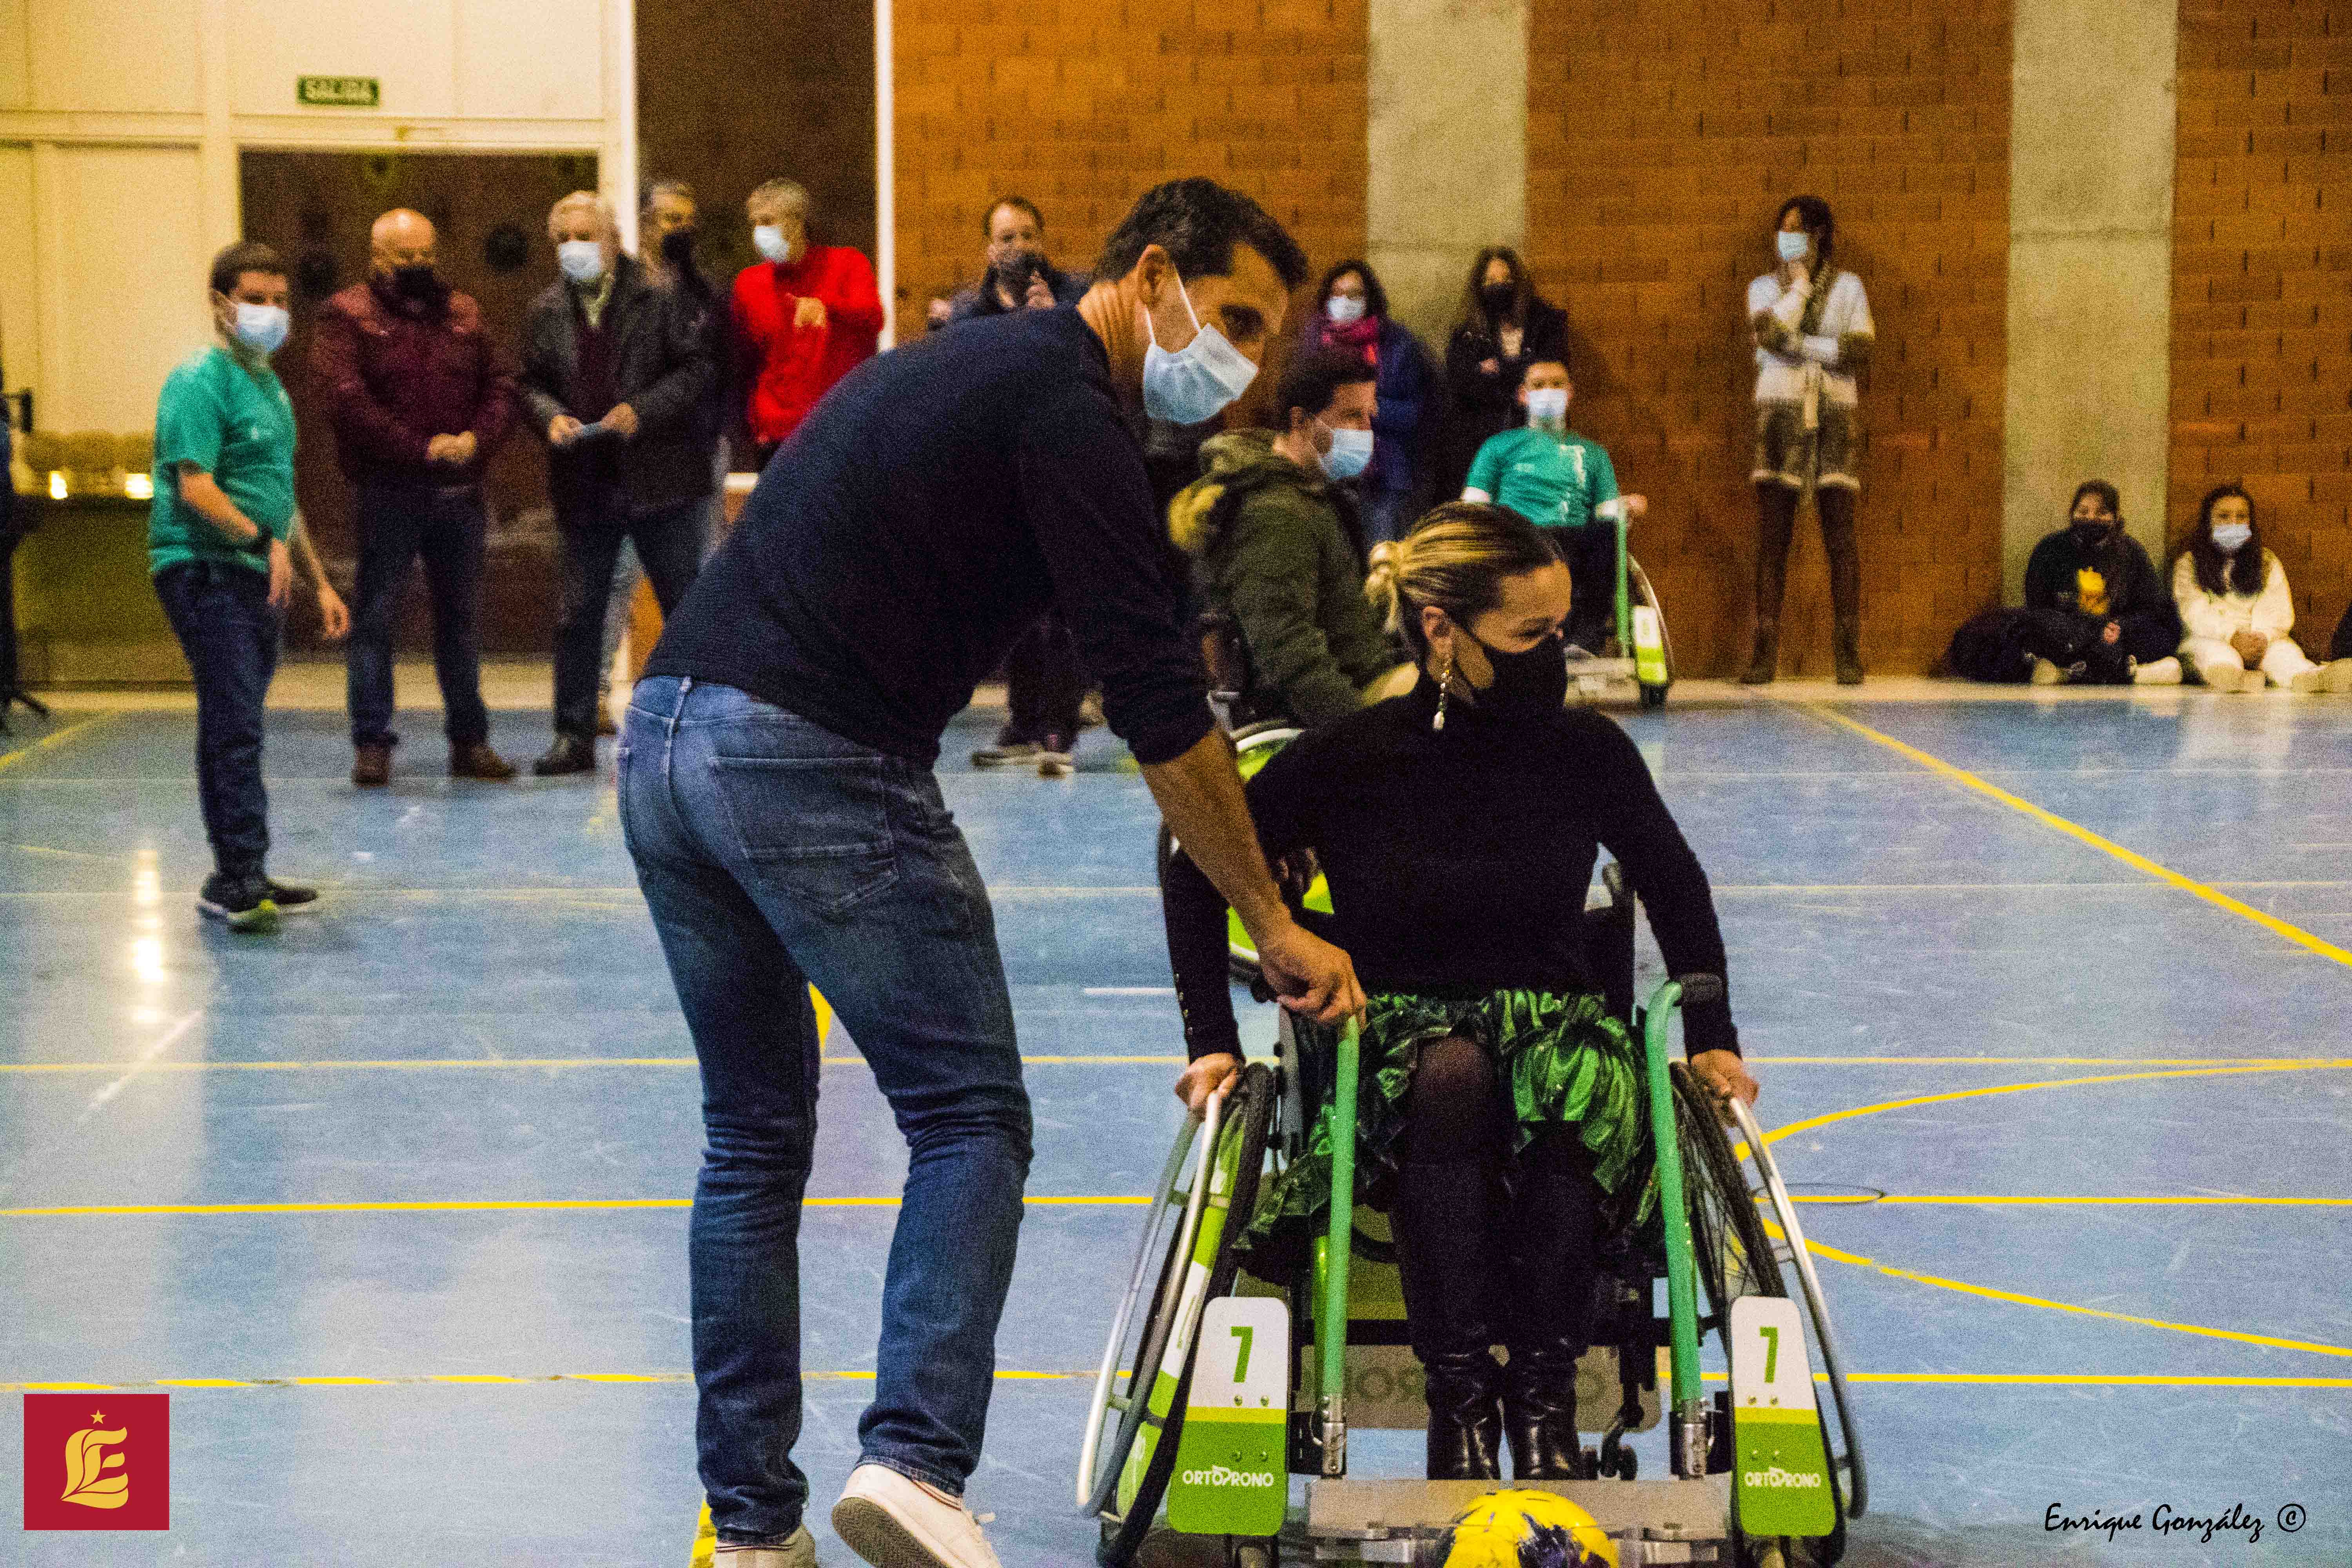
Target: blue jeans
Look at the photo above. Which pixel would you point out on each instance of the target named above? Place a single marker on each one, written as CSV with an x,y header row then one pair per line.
x,y
773,854
221,616
398,524
589,537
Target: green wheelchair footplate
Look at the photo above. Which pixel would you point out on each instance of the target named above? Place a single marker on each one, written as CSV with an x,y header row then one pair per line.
x,y
1780,1479
1230,1475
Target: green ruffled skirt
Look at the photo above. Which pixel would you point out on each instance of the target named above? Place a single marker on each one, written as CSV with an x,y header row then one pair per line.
x,y
1563,1059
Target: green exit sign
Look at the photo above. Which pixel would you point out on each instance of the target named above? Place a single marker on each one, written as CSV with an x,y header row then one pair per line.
x,y
339,91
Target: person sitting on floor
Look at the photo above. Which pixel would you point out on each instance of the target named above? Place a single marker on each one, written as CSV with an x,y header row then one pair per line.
x,y
2235,609
1274,541
1501,1108
2100,613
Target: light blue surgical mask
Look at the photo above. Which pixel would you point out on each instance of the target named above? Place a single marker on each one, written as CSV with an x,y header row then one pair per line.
x,y
260,328
583,260
1547,405
768,239
1197,382
1351,451
1344,308
2229,538
1792,244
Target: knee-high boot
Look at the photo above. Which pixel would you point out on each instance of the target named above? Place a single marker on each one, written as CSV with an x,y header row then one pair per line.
x,y
1444,1217
1836,506
1776,517
1555,1218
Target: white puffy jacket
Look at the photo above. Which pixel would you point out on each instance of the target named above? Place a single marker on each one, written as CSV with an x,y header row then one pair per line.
x,y
2219,617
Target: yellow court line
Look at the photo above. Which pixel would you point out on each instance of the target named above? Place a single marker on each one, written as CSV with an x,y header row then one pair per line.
x,y
55,738
487,1205
2060,1061
2137,861
1970,1199
2017,1298
2029,1379
1835,1116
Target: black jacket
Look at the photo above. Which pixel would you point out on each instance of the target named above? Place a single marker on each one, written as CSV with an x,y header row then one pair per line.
x,y
1479,405
2114,581
662,368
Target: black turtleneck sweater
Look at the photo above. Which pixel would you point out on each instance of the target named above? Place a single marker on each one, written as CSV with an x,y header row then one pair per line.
x,y
1458,859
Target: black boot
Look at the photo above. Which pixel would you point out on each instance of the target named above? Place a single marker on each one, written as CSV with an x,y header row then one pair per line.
x,y
1765,662
1845,645
1443,1217
1555,1219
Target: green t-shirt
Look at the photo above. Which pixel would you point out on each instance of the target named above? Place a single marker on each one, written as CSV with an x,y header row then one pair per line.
x,y
1553,481
234,423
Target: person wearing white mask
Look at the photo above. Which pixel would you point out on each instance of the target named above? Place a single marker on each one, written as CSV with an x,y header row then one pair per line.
x,y
1557,479
1276,544
776,779
1813,331
617,373
1355,320
805,315
2235,607
224,536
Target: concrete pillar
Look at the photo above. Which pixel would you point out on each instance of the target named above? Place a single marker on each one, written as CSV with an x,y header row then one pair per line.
x,y
1448,144
2090,264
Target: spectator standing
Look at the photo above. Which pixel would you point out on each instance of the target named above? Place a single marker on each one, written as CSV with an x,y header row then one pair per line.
x,y
420,402
667,231
616,370
1813,331
223,539
1354,318
1016,275
1555,479
1504,328
1276,546
1045,689
805,315
2235,607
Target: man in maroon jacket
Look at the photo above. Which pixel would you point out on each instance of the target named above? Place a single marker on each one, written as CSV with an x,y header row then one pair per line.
x,y
420,402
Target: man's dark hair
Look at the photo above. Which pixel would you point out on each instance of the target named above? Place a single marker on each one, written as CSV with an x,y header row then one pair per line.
x,y
1198,222
1314,377
1018,203
246,256
1376,299
1819,221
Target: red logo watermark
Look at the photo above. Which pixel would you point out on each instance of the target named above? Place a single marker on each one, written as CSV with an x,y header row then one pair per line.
x,y
98,1461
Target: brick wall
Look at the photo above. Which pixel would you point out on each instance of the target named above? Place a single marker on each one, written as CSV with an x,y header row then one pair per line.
x,y
2261,283
1082,105
1662,136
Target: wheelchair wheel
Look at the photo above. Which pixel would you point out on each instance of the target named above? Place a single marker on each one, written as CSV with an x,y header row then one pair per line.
x,y
1133,1466
1653,693
1736,1256
1253,746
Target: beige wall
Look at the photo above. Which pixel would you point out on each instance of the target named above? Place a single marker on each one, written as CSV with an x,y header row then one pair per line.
x,y
121,121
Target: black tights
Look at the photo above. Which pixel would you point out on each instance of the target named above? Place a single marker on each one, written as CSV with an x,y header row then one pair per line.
x,y
1775,507
1456,1116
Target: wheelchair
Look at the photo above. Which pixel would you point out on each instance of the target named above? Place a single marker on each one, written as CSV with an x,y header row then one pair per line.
x,y
1639,650
1726,1242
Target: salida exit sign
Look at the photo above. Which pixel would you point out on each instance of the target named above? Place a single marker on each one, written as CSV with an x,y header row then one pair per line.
x,y
339,91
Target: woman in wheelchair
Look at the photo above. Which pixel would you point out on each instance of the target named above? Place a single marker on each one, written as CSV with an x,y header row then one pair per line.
x,y
1501,1122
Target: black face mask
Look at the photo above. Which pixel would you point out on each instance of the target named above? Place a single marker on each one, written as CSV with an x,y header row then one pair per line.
x,y
1498,297
415,282
677,247
1528,685
2094,535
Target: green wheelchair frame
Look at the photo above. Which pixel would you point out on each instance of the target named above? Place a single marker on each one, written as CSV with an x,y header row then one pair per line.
x,y
1717,1248
1643,654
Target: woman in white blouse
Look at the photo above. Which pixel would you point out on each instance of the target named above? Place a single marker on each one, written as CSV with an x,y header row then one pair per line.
x,y
2235,609
1813,331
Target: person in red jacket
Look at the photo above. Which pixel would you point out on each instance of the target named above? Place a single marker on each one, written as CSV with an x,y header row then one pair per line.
x,y
805,316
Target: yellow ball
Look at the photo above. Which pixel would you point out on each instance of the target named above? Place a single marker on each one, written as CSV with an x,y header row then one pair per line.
x,y
1527,1528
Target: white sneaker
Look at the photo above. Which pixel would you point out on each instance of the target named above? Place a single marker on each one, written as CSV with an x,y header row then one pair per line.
x,y
799,1552
894,1521
2165,671
2339,674
2048,674
2312,680
2221,677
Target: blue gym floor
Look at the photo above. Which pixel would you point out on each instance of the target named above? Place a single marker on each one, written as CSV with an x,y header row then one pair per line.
x,y
391,1203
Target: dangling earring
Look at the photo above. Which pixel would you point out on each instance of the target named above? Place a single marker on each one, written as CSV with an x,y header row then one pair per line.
x,y
1444,687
